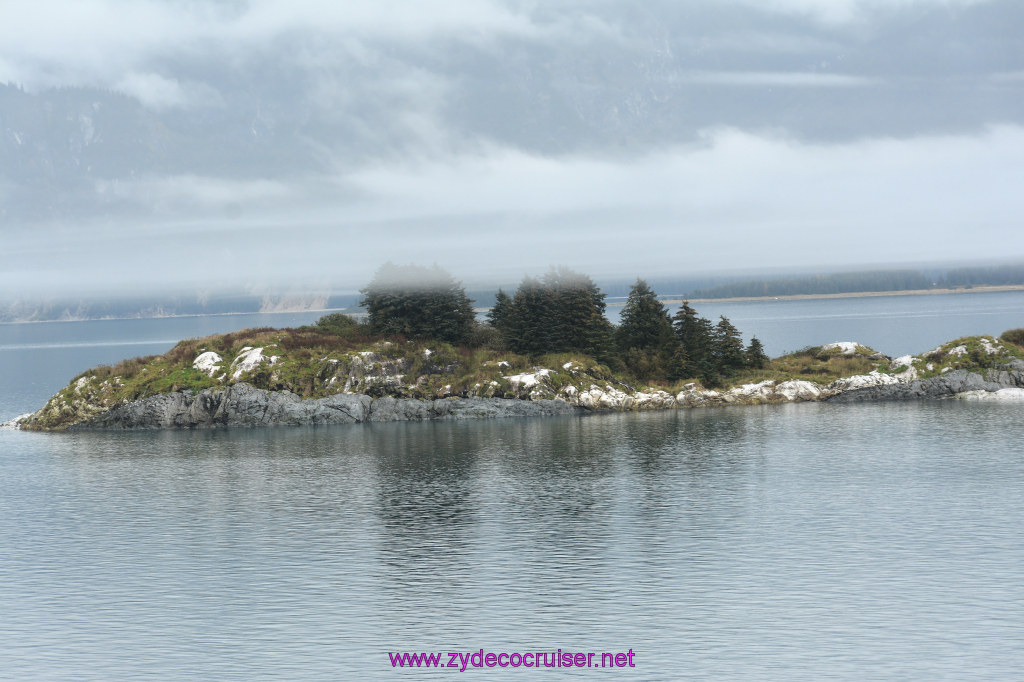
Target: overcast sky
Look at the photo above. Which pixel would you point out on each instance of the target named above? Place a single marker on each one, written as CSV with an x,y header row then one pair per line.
x,y
303,143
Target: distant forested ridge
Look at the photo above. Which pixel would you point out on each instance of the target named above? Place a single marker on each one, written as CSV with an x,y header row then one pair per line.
x,y
224,302
867,282
995,276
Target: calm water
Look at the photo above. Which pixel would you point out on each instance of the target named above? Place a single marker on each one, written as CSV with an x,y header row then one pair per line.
x,y
786,542
894,325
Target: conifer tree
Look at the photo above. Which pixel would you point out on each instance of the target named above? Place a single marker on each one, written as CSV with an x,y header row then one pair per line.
x,y
699,340
678,364
562,312
530,319
582,325
756,357
645,337
498,315
418,302
644,320
729,353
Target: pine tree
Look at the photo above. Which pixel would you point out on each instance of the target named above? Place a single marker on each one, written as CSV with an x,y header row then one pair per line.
x,y
581,324
562,312
645,337
729,353
756,357
696,334
498,315
530,319
418,302
644,320
678,364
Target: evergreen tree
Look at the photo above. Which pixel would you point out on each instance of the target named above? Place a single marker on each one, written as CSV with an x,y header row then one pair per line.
x,y
644,320
729,353
531,318
418,302
696,334
645,336
678,364
689,331
563,312
706,363
581,324
756,357
498,315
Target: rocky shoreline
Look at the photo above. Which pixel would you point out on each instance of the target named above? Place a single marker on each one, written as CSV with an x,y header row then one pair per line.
x,y
242,405
88,402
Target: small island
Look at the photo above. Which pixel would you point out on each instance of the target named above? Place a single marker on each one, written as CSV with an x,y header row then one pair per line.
x,y
546,350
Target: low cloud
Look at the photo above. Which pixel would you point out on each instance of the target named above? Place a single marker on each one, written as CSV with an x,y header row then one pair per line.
x,y
106,42
731,172
835,12
196,195
159,92
783,79
1008,77
734,200
497,136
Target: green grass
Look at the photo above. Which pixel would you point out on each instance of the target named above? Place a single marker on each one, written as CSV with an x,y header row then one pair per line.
x,y
809,364
315,363
974,357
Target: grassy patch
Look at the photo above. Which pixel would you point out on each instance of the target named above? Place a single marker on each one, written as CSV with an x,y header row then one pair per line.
x,y
811,364
315,362
970,353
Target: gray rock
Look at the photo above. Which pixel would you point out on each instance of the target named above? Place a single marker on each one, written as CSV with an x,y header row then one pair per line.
x,y
943,386
244,405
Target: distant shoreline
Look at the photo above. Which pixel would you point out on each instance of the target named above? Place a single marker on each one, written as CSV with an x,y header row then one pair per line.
x,y
981,289
182,315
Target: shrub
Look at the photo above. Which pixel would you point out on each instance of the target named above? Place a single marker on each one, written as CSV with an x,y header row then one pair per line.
x,y
1014,336
486,336
643,364
337,323
183,353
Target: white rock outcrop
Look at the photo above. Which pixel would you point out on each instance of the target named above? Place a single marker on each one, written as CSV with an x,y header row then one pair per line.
x,y
1002,395
845,347
990,346
208,363
249,359
759,392
869,380
797,390
528,380
903,361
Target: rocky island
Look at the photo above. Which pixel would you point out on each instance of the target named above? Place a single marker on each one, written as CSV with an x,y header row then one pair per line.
x,y
267,377
421,353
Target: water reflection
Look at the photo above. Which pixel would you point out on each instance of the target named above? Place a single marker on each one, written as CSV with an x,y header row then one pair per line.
x,y
860,540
